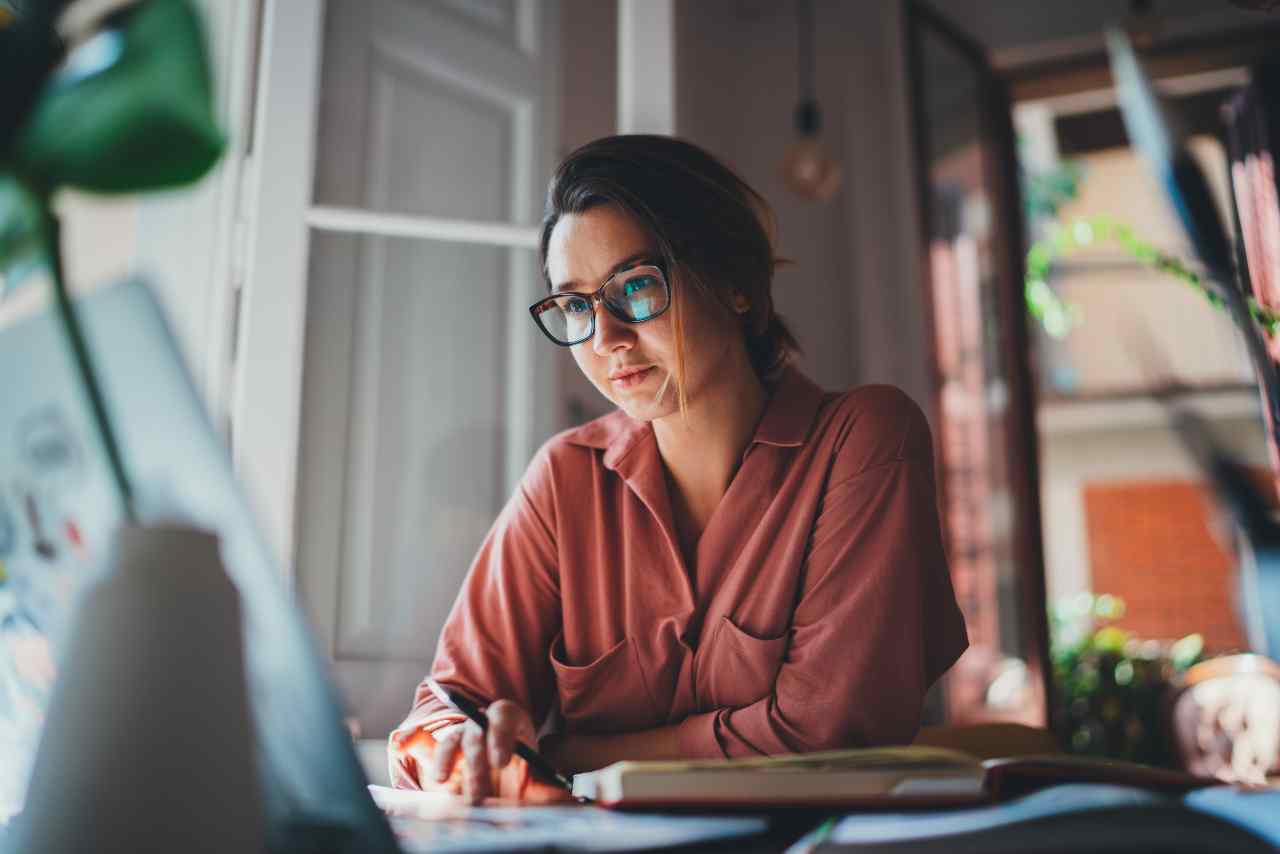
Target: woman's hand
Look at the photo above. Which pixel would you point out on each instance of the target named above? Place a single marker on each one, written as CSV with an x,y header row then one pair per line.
x,y
486,752
465,760
409,758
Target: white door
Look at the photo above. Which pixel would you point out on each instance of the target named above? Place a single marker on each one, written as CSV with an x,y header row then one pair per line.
x,y
426,388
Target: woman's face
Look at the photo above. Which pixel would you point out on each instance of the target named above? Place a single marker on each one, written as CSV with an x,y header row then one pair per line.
x,y
629,362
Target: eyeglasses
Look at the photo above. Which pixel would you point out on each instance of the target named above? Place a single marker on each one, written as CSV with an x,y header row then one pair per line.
x,y
632,296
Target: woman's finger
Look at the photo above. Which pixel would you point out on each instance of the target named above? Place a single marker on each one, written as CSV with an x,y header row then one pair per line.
x,y
408,757
444,756
476,784
403,770
508,722
400,766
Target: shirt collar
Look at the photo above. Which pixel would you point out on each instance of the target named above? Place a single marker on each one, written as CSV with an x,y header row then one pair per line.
x,y
790,411
788,416
616,434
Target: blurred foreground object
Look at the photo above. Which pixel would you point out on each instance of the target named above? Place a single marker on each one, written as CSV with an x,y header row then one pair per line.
x,y
1226,719
310,784
1153,131
130,107
115,97
1252,134
22,247
29,50
148,743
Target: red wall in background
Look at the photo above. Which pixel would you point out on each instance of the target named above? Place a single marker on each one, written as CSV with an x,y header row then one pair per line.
x,y
1150,544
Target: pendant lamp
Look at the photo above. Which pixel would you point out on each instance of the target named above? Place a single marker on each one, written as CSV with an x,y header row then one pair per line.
x,y
808,169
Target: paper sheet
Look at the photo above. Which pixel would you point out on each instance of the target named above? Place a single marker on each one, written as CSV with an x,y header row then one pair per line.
x,y
434,821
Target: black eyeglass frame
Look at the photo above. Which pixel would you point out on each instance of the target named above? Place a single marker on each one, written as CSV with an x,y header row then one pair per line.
x,y
597,296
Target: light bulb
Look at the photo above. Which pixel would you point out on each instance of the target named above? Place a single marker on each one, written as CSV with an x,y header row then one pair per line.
x,y
809,171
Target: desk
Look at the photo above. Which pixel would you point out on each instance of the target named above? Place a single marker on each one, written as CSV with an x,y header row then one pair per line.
x,y
1071,816
1077,816
786,827
780,831
1095,817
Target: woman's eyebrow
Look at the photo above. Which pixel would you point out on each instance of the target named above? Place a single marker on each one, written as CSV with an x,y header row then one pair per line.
x,y
629,261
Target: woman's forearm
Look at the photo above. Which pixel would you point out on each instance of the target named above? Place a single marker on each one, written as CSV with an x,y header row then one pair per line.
x,y
575,752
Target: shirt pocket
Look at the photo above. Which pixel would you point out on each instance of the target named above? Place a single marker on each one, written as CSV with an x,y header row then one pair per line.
x,y
606,695
737,668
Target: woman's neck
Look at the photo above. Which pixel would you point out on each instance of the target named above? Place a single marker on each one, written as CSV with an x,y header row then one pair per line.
x,y
702,451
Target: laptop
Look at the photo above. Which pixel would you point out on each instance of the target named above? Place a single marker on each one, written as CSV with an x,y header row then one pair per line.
x,y
59,512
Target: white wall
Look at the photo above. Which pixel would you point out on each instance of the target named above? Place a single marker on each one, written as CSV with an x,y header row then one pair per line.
x,y
1118,441
588,72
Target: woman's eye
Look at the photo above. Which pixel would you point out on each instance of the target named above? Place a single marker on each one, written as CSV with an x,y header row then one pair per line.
x,y
577,307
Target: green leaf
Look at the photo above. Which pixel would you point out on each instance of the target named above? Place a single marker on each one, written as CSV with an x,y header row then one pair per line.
x,y
130,110
1110,640
1187,651
21,231
1108,607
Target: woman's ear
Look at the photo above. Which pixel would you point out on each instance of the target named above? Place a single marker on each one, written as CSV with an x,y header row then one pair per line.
x,y
740,304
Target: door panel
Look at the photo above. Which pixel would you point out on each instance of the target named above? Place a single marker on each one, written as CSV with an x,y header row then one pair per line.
x,y
424,459
985,433
419,85
426,390
501,17
409,112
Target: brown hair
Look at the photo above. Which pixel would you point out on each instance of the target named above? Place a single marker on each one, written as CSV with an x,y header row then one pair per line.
x,y
713,231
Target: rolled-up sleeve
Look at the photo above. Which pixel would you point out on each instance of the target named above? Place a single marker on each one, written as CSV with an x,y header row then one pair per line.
x,y
876,621
495,640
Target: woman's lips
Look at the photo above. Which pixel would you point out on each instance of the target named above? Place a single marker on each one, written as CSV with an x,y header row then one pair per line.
x,y
633,379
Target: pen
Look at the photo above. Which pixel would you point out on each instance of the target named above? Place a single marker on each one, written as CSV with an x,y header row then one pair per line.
x,y
535,759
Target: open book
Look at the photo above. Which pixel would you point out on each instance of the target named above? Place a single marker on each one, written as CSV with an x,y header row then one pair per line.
x,y
888,776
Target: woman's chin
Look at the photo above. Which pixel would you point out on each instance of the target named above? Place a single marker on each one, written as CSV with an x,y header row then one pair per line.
x,y
644,410
643,406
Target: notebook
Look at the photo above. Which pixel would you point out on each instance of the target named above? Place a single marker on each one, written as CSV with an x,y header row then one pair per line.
x,y
879,777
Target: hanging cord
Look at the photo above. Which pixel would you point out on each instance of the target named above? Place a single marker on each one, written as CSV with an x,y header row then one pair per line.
x,y
804,48
808,118
84,365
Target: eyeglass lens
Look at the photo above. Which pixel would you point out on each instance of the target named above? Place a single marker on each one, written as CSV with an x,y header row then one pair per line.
x,y
633,296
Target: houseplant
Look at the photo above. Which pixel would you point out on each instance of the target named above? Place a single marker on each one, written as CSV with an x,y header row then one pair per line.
x,y
1110,686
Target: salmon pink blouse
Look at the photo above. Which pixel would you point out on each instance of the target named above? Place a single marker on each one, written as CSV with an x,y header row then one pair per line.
x,y
818,611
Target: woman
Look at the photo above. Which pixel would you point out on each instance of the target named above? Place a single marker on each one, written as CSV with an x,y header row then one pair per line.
x,y
735,562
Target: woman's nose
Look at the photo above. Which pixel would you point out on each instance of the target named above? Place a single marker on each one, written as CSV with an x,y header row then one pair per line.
x,y
611,333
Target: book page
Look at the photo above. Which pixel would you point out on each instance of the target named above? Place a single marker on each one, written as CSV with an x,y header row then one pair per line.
x,y
831,760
